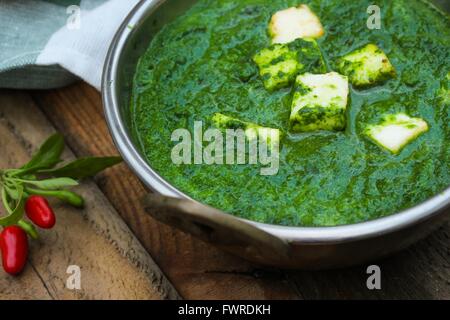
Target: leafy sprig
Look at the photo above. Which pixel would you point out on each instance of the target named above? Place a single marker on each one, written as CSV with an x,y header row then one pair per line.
x,y
43,176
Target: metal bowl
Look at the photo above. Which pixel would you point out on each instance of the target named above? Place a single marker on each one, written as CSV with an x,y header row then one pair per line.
x,y
271,245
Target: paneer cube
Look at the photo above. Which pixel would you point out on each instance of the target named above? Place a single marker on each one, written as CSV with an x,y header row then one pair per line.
x,y
294,23
319,102
252,131
366,66
444,91
279,64
396,131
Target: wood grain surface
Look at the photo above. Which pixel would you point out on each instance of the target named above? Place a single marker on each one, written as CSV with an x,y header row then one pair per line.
x,y
113,263
200,271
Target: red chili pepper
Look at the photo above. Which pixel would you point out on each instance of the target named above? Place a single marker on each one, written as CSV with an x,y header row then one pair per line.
x,y
39,211
14,247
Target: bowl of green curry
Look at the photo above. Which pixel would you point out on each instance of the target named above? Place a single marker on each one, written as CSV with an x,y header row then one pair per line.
x,y
355,98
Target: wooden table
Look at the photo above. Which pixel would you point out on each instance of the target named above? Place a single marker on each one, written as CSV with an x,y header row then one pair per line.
x,y
184,265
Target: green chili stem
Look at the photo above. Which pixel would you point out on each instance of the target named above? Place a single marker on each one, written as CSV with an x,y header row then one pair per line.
x,y
29,228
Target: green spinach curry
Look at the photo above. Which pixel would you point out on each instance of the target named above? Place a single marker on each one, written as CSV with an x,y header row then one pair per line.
x,y
203,64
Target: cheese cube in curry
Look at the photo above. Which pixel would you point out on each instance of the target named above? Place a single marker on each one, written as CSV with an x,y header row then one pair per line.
x,y
444,91
366,66
396,131
252,131
294,23
319,102
279,64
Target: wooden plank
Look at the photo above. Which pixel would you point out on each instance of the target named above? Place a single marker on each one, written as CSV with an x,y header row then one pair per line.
x,y
113,263
421,272
198,270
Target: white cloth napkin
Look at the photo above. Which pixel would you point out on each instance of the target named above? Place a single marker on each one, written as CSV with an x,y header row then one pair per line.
x,y
83,51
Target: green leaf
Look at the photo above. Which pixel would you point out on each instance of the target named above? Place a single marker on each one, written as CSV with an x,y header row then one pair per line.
x,y
67,196
14,191
51,184
48,155
15,214
6,202
29,177
83,168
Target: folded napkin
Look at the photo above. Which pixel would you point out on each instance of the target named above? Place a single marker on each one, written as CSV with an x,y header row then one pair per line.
x,y
48,44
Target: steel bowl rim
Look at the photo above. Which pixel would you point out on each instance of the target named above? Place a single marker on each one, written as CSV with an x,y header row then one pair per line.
x,y
131,155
